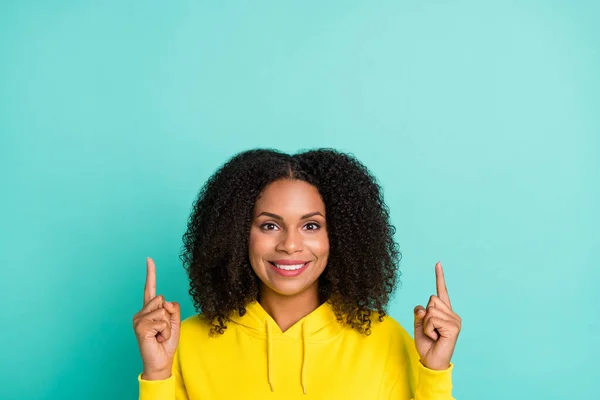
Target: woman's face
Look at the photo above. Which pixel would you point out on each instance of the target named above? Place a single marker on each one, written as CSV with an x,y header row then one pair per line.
x,y
288,245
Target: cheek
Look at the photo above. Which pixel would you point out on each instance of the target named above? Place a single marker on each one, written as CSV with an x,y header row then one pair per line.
x,y
252,244
320,245
259,243
254,252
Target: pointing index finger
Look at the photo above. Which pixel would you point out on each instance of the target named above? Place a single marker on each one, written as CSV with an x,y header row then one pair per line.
x,y
150,288
442,291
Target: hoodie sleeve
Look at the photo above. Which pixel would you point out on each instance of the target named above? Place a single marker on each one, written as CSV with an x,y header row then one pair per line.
x,y
415,381
427,384
171,388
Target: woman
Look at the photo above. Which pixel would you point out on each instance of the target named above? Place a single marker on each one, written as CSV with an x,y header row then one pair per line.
x,y
292,261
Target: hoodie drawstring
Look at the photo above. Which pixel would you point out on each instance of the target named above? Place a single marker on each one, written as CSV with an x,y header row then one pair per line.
x,y
304,356
269,351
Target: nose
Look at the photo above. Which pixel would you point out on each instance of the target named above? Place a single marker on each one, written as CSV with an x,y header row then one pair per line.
x,y
291,242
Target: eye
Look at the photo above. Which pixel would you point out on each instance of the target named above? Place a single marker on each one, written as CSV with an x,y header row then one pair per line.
x,y
316,226
267,226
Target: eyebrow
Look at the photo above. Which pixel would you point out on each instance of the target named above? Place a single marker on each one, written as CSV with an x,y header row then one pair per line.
x,y
275,216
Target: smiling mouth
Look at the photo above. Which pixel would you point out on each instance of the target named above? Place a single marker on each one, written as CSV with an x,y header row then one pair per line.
x,y
292,267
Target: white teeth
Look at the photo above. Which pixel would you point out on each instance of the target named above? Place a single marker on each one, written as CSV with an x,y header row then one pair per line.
x,y
289,267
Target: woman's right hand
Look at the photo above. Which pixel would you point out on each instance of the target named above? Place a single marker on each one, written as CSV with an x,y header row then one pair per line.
x,y
156,328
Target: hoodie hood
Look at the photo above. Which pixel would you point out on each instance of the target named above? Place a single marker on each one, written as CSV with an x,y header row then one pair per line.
x,y
320,324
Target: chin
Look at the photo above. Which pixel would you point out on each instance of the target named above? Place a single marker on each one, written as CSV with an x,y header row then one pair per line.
x,y
288,290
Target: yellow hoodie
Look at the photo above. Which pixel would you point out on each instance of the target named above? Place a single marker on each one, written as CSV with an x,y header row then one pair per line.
x,y
316,358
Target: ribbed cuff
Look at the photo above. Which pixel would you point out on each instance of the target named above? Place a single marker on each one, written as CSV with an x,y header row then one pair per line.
x,y
433,384
157,390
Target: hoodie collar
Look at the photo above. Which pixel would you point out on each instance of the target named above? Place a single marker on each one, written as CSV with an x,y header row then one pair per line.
x,y
319,325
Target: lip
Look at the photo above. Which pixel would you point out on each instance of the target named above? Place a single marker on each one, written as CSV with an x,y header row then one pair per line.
x,y
289,274
289,262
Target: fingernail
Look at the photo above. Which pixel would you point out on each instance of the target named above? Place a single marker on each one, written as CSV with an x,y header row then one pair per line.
x,y
168,303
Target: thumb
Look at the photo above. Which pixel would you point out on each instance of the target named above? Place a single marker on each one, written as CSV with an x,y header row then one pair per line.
x,y
172,343
175,313
419,316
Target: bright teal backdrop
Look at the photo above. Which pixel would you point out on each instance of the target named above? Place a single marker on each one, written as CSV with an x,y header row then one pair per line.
x,y
480,118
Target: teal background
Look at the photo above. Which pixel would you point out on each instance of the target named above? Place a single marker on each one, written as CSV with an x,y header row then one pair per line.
x,y
480,119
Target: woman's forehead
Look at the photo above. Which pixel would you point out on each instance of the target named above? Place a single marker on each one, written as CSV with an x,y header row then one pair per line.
x,y
292,198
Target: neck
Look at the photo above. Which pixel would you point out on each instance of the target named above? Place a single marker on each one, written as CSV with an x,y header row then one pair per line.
x,y
287,310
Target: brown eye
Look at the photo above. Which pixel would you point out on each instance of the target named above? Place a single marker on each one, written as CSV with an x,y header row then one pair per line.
x,y
268,226
316,226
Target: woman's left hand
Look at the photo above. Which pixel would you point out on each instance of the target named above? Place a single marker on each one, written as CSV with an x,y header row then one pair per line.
x,y
437,327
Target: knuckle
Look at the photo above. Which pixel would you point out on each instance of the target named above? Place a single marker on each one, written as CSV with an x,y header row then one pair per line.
x,y
139,328
431,301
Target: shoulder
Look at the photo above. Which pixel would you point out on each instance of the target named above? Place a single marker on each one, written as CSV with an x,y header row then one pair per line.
x,y
194,327
390,330
397,343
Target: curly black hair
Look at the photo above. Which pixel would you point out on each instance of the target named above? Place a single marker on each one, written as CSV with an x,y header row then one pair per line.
x,y
360,275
